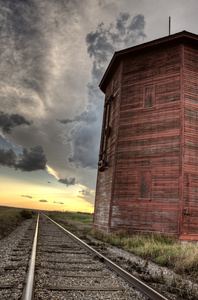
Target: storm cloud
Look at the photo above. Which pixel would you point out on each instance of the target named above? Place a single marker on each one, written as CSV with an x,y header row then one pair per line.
x,y
101,44
84,193
30,160
8,122
40,83
67,182
7,158
88,116
52,61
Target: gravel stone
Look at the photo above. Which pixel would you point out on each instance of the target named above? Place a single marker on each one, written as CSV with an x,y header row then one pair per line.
x,y
15,252
59,264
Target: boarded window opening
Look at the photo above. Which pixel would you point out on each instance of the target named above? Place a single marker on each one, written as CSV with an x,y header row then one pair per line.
x,y
106,131
149,96
145,185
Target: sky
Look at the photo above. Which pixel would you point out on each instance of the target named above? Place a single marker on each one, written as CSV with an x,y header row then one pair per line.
x,y
53,54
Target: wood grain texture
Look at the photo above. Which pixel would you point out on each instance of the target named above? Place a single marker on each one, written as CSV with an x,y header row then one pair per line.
x,y
151,183
190,199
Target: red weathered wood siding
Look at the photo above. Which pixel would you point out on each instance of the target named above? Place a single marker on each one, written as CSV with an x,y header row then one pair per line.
x,y
105,179
149,141
151,182
189,224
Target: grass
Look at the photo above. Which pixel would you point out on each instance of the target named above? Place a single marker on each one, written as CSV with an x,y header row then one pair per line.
x,y
72,221
10,218
75,217
163,250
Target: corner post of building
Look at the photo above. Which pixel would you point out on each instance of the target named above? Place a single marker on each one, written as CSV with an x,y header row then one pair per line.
x,y
181,175
115,163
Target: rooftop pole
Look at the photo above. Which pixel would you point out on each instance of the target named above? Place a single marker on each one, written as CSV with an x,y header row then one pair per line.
x,y
169,25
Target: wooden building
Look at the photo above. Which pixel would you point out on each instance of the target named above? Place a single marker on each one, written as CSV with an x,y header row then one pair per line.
x,y
148,162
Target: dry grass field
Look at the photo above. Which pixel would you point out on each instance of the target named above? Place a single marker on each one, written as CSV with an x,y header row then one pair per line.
x,y
10,218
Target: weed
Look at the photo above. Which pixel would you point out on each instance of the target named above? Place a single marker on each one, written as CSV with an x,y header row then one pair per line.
x,y
86,230
26,214
165,251
161,260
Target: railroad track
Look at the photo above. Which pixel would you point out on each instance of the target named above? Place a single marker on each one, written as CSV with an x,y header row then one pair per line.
x,y
61,266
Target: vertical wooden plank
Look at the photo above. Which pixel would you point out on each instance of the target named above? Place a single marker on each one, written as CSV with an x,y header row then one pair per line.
x,y
181,175
103,197
190,196
116,141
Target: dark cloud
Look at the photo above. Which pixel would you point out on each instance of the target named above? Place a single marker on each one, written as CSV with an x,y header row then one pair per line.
x,y
84,192
130,29
31,160
85,135
65,121
42,200
138,24
8,122
84,140
58,202
70,181
7,158
102,43
26,196
88,116
121,22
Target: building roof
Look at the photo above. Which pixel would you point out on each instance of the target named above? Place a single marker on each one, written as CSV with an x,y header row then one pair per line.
x,y
181,37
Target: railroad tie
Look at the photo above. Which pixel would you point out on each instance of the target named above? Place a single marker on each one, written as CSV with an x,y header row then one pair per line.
x,y
83,288
6,286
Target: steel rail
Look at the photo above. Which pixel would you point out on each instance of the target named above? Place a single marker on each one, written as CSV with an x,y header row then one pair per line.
x,y
133,281
28,288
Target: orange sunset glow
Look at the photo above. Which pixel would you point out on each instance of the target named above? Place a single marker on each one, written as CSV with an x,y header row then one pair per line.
x,y
52,197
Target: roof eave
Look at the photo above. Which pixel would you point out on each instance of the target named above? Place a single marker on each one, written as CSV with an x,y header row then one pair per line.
x,y
178,37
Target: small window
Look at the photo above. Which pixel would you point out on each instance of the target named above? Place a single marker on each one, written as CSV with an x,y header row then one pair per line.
x,y
145,185
149,96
